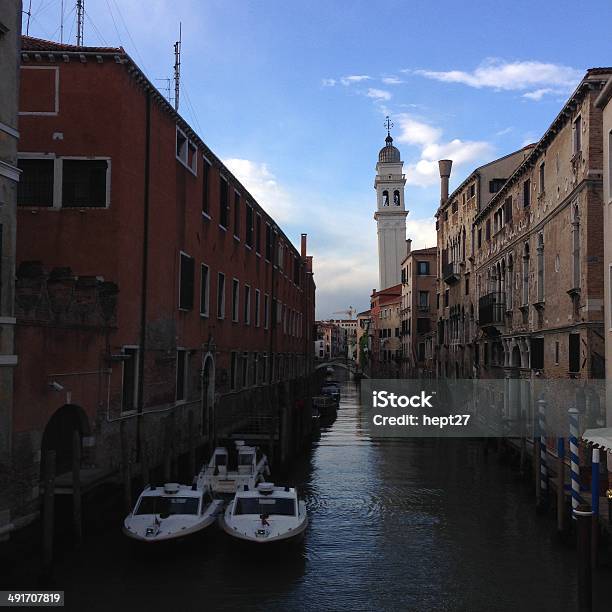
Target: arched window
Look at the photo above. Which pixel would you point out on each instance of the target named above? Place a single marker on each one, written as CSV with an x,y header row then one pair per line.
x,y
510,284
396,198
575,246
385,198
540,267
526,274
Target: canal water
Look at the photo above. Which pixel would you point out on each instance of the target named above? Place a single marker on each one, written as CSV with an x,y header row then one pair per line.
x,y
394,525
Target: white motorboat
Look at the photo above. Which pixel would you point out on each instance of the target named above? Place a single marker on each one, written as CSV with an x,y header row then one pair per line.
x,y
250,467
171,512
265,515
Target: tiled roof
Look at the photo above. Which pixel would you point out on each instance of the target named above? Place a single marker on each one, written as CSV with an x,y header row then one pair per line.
x,y
29,43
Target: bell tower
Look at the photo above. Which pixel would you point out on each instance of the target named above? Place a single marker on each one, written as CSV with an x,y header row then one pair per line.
x,y
391,213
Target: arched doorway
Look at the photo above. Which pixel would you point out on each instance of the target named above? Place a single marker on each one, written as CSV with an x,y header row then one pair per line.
x,y
59,433
208,398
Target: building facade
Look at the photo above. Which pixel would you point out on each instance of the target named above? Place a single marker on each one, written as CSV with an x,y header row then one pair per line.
x,y
418,309
363,339
458,242
333,336
539,262
163,296
390,215
385,356
10,42
604,103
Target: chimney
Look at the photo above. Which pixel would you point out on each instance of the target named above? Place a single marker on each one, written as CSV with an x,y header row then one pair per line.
x,y
303,249
408,245
445,171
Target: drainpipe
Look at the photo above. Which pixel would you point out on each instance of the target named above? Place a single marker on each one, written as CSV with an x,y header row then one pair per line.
x,y
145,269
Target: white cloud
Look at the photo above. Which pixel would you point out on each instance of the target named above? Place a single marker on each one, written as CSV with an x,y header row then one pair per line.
x,y
328,82
264,187
504,131
424,172
378,94
391,80
540,78
422,232
355,78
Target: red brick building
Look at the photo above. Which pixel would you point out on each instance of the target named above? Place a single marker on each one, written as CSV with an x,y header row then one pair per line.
x,y
385,327
154,294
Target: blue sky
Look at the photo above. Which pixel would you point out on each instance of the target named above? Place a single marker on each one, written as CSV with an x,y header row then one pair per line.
x,y
293,95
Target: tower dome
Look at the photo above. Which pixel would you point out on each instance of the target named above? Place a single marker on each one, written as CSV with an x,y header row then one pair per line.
x,y
389,153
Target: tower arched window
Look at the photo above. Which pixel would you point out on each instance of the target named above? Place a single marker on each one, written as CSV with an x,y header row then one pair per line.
x,y
385,198
510,284
396,197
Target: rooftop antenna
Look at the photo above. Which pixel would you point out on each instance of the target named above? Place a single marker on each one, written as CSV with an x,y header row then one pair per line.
x,y
80,7
62,23
29,14
177,68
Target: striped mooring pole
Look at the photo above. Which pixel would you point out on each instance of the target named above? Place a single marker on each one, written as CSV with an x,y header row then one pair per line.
x,y
543,465
574,459
595,506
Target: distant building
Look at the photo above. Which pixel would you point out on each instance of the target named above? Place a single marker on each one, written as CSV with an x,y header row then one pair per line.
x,y
363,339
350,335
385,358
10,42
418,309
333,337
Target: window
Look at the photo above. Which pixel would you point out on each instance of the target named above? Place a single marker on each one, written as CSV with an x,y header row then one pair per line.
x,y
537,353
266,311
206,187
574,353
472,190
488,230
508,209
423,326
446,296
233,370
467,285
247,305
235,299
244,370
204,289
479,237
296,271
526,193
84,183
221,295
540,261
258,234
268,242
423,268
223,203
35,186
182,373
257,300
526,275
496,184
130,379
541,174
454,207
186,281
577,135
423,299
557,351
236,215
186,151
421,351
249,226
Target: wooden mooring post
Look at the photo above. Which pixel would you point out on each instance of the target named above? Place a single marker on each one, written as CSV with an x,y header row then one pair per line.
x,y
76,488
48,508
583,516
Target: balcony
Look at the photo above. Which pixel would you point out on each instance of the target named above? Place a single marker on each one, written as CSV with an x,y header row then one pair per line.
x,y
423,308
451,272
491,308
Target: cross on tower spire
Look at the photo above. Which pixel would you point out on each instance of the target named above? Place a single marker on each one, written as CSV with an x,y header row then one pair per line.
x,y
388,124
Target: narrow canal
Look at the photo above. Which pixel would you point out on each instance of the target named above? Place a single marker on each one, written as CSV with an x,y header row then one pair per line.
x,y
395,525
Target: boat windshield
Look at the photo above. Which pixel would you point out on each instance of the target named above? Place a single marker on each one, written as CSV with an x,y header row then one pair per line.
x,y
258,505
166,506
245,459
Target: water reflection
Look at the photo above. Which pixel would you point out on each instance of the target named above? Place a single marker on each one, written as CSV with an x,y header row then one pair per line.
x,y
395,524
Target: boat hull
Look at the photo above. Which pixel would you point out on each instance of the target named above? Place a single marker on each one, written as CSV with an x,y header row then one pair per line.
x,y
293,536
